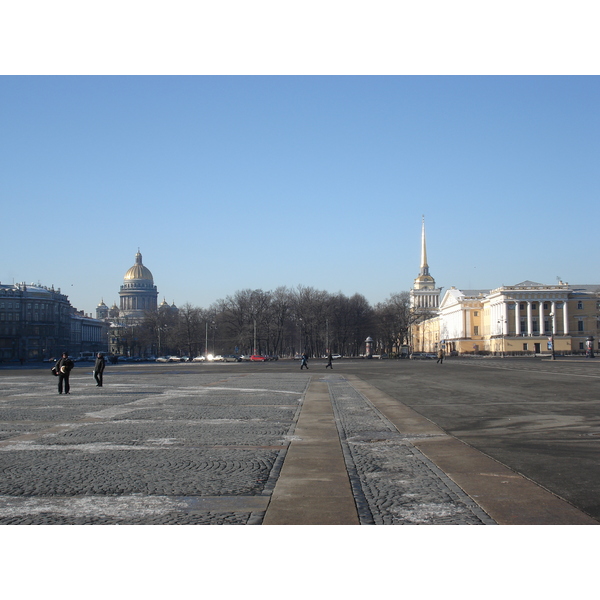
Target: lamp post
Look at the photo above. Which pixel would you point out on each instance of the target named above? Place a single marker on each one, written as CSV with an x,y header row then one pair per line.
x,y
255,352
502,322
206,340
551,315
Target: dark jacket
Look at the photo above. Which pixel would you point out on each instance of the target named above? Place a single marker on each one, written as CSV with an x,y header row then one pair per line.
x,y
100,364
65,362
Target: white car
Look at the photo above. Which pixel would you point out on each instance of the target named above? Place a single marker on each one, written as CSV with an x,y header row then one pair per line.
x,y
199,359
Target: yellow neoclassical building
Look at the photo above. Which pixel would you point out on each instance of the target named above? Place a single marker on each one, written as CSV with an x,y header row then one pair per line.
x,y
513,320
526,318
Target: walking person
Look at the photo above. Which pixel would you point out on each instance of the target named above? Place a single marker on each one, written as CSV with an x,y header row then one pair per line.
x,y
441,355
99,369
63,368
304,362
329,361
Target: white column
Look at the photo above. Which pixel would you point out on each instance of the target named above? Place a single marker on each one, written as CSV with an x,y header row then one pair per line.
x,y
517,319
554,317
529,319
565,318
542,328
503,310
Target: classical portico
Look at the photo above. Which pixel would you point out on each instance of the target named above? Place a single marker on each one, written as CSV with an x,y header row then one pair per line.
x,y
529,309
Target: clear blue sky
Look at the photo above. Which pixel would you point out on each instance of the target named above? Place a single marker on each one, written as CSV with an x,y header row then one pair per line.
x,y
226,183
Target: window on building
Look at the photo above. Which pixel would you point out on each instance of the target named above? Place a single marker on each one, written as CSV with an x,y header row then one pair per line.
x,y
580,325
525,346
545,306
581,346
476,330
475,313
534,306
580,305
522,306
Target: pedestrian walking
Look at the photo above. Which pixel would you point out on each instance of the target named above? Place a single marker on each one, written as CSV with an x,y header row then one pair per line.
x,y
63,368
329,361
441,355
304,362
99,369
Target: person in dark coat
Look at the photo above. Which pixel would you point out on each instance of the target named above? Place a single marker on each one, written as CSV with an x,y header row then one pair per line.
x,y
99,369
304,362
329,361
63,367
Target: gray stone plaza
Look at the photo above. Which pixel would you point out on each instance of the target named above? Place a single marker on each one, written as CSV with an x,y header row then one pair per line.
x,y
215,444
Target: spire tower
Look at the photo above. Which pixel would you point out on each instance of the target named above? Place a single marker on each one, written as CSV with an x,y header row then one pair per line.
x,y
424,266
424,295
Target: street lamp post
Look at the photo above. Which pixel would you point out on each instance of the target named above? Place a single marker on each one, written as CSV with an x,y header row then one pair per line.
x,y
206,341
502,322
551,315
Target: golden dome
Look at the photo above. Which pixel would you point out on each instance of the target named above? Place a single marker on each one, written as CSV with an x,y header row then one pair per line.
x,y
139,271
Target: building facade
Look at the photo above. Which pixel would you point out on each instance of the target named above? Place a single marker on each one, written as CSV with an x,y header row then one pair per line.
x,y
522,319
526,318
35,322
88,334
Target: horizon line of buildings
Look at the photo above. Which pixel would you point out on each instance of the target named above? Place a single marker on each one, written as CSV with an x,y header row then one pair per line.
x,y
37,322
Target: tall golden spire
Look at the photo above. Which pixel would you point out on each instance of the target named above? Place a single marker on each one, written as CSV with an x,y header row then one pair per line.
x,y
424,266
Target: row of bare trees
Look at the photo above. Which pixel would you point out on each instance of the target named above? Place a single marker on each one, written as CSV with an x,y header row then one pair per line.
x,y
283,322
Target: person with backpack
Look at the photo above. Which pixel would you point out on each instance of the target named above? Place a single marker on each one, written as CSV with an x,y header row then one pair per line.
x,y
62,368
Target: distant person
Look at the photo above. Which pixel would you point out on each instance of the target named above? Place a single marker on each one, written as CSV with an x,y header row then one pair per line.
x,y
99,369
304,362
63,368
329,361
441,355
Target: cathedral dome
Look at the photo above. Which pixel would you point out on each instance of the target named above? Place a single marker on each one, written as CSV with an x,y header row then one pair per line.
x,y
139,271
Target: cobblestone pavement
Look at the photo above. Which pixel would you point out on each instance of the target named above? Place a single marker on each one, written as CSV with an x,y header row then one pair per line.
x,y
196,448
393,482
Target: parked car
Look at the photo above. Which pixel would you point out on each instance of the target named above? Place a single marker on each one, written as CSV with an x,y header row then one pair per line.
x,y
174,359
231,358
199,359
258,358
272,357
162,359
